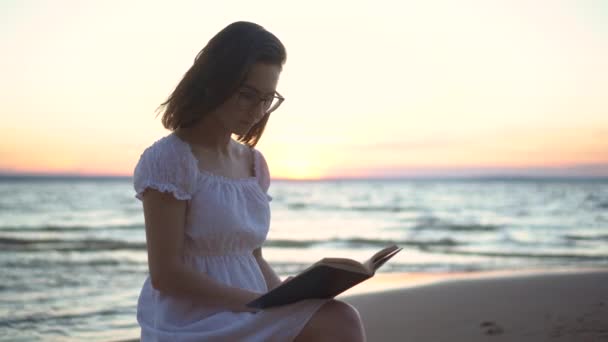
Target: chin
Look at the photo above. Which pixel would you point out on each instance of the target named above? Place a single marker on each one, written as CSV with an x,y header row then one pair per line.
x,y
243,129
240,131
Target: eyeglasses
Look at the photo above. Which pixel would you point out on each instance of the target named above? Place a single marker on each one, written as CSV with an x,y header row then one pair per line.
x,y
248,98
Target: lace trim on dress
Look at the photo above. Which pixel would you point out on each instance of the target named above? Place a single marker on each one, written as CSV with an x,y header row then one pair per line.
x,y
195,162
177,193
258,170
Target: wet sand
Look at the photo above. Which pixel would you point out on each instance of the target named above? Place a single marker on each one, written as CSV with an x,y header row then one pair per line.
x,y
537,306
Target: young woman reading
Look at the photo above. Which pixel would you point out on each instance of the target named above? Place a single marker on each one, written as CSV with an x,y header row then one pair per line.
x,y
207,210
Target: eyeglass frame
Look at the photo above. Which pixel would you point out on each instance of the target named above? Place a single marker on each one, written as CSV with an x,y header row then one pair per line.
x,y
260,99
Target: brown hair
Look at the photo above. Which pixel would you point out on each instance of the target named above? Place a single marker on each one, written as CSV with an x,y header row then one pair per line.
x,y
218,70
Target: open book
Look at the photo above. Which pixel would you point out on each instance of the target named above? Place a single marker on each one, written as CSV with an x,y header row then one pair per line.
x,y
324,279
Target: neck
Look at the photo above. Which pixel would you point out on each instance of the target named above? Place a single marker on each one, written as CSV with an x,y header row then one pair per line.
x,y
208,134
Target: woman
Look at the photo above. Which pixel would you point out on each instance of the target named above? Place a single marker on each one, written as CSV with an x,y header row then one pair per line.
x,y
207,210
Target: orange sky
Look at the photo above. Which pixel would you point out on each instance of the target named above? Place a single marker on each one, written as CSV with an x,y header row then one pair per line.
x,y
373,89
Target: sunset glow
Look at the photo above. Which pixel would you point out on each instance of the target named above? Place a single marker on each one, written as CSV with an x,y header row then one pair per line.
x,y
373,89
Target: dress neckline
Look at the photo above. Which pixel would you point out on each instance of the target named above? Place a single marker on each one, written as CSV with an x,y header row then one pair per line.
x,y
210,174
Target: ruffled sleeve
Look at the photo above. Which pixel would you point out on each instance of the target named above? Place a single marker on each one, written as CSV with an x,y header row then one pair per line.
x,y
262,173
165,168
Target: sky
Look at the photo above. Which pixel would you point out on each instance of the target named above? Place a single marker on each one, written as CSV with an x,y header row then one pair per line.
x,y
373,88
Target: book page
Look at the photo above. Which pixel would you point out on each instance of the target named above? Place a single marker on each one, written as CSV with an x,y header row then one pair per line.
x,y
326,278
344,263
379,262
380,258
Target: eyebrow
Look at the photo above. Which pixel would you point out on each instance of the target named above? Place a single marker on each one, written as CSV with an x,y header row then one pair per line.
x,y
257,90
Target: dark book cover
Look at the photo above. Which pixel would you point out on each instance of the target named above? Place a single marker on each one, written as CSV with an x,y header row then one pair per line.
x,y
320,281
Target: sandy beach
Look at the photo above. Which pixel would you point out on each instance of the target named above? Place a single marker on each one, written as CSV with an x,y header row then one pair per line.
x,y
567,305
530,306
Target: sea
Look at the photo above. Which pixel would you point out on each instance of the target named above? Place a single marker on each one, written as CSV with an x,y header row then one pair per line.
x,y
73,251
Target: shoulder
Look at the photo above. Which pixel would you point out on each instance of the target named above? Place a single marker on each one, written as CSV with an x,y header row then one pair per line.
x,y
256,154
252,156
166,165
259,161
261,170
166,148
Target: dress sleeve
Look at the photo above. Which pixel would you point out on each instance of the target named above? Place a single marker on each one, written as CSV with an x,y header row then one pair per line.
x,y
165,170
262,173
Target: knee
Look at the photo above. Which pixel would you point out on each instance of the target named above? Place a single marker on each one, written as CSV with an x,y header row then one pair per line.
x,y
335,321
344,314
346,322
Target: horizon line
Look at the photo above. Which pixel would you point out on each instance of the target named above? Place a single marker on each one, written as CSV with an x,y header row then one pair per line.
x,y
495,176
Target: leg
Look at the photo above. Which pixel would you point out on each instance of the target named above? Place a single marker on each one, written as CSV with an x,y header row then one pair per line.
x,y
335,321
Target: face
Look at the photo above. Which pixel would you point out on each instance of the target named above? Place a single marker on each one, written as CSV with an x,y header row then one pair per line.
x,y
250,102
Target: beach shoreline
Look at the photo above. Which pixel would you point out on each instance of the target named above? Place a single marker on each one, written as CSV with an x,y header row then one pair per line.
x,y
556,305
382,282
523,305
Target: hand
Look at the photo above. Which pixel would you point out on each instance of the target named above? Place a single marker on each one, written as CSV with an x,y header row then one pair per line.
x,y
245,298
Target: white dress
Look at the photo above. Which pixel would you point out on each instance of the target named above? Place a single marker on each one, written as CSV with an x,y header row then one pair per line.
x,y
226,220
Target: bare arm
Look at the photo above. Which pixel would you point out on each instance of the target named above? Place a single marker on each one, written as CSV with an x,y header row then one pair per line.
x,y
272,280
165,218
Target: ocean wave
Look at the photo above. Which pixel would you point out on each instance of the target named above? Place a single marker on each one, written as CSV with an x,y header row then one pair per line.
x,y
61,245
574,237
602,205
357,208
359,242
382,208
70,263
527,255
90,245
59,317
454,227
70,228
291,268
